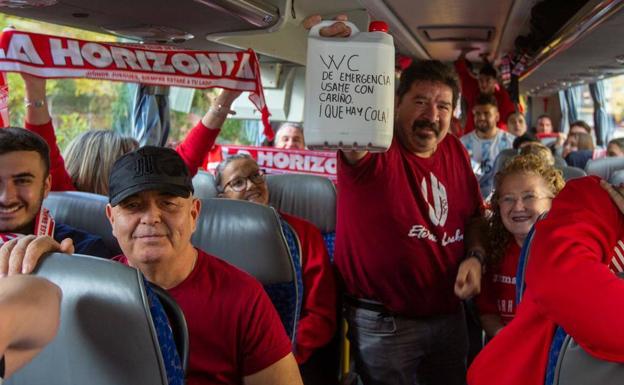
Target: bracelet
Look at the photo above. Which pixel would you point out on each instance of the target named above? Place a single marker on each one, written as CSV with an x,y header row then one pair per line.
x,y
476,254
38,103
220,109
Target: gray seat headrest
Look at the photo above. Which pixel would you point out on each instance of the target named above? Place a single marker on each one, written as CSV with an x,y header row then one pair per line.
x,y
106,334
247,235
83,211
572,172
617,178
310,197
503,157
204,185
604,167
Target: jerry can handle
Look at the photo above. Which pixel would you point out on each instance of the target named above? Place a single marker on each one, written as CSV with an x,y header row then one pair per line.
x,y
314,31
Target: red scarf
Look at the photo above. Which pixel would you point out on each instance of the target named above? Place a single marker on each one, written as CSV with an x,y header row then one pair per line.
x,y
44,225
54,57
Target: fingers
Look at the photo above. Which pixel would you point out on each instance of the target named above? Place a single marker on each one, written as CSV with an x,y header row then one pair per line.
x,y
37,248
337,29
311,21
5,253
67,246
16,259
468,281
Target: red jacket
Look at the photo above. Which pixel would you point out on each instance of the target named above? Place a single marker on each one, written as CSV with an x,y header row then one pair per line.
x,y
193,151
470,92
570,282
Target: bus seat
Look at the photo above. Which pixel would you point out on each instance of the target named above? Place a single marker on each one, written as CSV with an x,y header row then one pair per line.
x,y
107,335
310,197
84,211
572,172
560,163
604,167
503,157
249,236
617,178
204,185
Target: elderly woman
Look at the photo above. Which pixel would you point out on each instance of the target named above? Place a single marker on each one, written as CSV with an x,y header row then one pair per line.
x,y
239,177
524,190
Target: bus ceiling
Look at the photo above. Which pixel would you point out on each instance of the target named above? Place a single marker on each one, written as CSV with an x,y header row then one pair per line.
x,y
586,47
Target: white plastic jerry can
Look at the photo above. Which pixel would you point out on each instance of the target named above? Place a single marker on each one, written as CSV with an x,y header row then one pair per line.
x,y
349,90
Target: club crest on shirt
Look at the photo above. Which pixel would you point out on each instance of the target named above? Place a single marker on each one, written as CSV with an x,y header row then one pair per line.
x,y
438,205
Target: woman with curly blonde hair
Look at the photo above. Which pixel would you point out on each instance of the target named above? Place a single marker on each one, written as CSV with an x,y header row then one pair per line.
x,y
524,189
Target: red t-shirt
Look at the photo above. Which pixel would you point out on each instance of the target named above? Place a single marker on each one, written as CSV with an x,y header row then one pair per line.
x,y
470,92
498,286
570,282
317,323
193,150
234,330
400,226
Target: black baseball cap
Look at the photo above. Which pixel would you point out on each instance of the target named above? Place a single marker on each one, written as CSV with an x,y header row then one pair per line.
x,y
149,168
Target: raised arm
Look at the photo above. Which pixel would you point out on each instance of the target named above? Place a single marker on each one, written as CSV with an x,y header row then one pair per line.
x,y
198,142
29,318
38,120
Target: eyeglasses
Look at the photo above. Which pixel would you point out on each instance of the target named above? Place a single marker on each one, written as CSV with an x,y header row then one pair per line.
x,y
528,199
239,184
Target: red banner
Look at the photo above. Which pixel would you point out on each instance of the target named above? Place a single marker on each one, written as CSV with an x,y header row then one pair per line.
x,y
60,57
280,161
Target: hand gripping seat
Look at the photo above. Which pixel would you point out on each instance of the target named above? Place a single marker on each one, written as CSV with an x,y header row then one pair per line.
x,y
204,185
250,237
84,211
108,334
309,197
604,167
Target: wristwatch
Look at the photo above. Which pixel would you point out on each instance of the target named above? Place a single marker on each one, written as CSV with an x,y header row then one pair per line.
x,y
34,103
476,254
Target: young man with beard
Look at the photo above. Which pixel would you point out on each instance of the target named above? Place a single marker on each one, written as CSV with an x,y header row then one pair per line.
x,y
407,244
25,181
486,141
236,336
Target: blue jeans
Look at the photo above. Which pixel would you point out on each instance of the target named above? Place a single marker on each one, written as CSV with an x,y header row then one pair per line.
x,y
408,351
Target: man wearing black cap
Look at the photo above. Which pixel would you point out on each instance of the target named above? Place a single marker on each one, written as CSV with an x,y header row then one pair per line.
x,y
235,333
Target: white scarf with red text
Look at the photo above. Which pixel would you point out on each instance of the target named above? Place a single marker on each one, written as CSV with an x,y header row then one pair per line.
x,y
44,225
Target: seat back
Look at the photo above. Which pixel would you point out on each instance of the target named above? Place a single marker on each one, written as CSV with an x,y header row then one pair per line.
x,y
204,185
572,172
310,197
106,335
604,167
84,211
617,178
250,237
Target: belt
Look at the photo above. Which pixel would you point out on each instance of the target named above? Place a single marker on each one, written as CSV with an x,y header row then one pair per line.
x,y
367,304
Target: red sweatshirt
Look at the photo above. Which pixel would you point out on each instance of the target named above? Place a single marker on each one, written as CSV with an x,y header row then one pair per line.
x,y
570,282
470,92
193,150
317,324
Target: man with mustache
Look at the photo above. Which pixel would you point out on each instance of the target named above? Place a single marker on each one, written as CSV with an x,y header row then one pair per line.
x,y
25,181
406,246
486,141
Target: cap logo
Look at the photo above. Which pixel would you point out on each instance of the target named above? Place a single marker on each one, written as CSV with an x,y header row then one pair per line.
x,y
144,166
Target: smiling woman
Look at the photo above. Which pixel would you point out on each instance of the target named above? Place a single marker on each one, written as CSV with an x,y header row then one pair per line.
x,y
524,190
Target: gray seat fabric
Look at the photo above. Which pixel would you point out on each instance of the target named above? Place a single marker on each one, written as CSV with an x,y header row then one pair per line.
x,y
83,211
577,367
604,167
617,178
204,185
248,236
572,172
310,197
106,335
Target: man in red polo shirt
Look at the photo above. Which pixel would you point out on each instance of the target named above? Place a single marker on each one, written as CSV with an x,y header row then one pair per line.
x,y
406,245
236,336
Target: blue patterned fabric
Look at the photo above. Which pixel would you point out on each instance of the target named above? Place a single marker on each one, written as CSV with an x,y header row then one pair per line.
x,y
553,354
288,297
330,239
171,359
